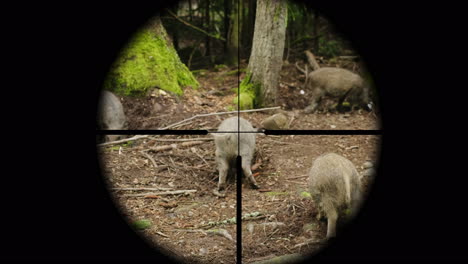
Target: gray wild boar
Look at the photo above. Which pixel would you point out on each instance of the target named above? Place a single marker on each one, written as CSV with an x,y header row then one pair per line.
x,y
339,84
335,188
110,114
227,150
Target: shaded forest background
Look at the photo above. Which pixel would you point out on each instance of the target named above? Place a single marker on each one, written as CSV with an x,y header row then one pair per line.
x,y
306,29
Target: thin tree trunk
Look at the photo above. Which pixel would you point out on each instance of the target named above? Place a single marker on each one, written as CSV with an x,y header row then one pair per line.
x,y
190,10
315,31
227,12
267,49
208,27
233,37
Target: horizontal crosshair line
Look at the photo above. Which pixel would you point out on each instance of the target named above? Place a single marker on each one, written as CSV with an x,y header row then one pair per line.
x,y
266,132
323,132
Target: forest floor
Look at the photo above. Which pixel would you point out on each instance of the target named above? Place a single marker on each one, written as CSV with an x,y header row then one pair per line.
x,y
216,94
197,226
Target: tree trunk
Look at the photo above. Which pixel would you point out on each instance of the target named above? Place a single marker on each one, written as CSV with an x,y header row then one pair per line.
x,y
248,24
227,11
232,56
208,27
149,60
266,57
315,32
190,10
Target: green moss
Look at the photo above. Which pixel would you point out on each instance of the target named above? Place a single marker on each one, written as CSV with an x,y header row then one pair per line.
x,y
141,224
147,62
276,193
279,8
201,72
246,101
305,194
247,93
218,67
235,72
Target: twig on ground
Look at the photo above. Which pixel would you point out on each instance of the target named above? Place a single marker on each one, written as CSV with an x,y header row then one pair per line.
x,y
308,242
142,189
182,139
123,140
161,234
296,177
220,113
150,158
174,146
160,193
220,232
300,183
189,231
269,236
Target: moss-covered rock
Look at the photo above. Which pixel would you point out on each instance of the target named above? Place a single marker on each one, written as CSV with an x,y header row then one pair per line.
x,y
149,60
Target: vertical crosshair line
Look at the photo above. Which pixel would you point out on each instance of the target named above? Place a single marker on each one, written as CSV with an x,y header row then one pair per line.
x,y
239,158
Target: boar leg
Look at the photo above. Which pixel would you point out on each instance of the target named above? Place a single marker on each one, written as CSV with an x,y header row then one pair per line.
x,y
316,95
248,173
223,167
332,217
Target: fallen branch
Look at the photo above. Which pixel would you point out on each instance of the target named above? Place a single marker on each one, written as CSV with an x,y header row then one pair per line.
x,y
161,234
174,146
150,158
183,139
142,189
220,232
269,236
220,113
290,258
300,183
160,193
189,231
123,140
297,177
308,242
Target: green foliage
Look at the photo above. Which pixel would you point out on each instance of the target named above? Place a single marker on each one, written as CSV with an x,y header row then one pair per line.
x,y
201,72
329,48
235,72
141,224
276,193
147,62
295,11
218,67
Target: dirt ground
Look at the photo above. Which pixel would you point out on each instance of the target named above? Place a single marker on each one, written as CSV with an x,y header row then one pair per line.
x,y
187,224
197,226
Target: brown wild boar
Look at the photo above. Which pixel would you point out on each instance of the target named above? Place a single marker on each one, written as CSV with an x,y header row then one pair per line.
x,y
338,84
227,150
335,189
111,114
